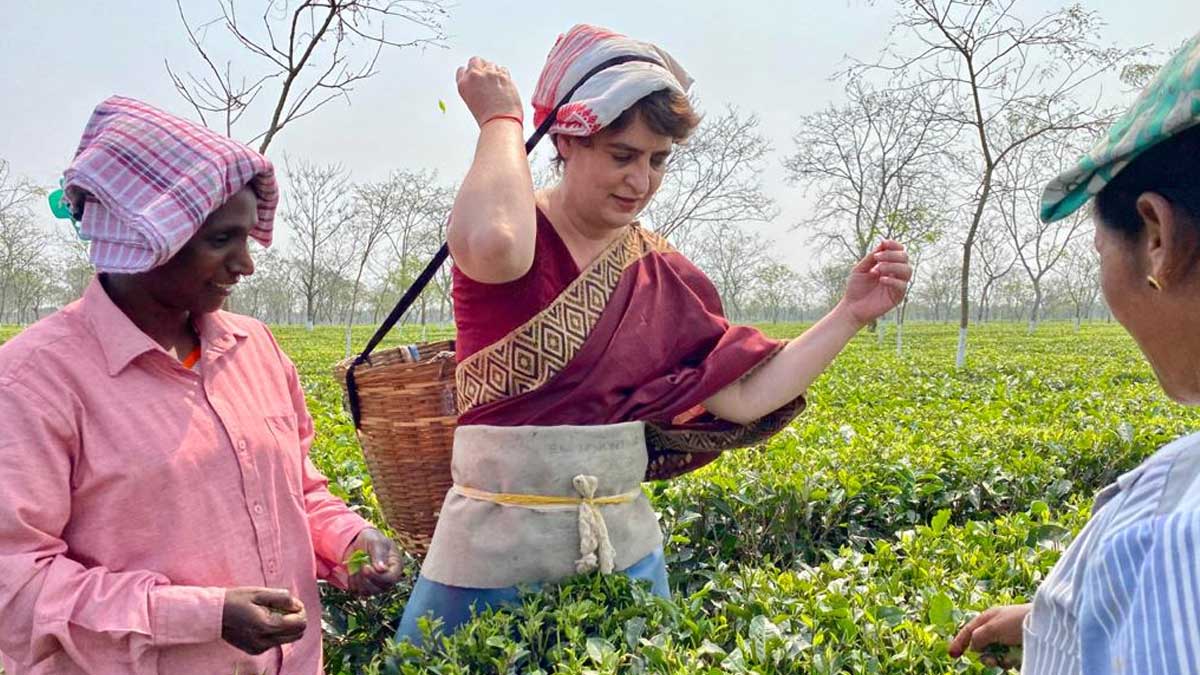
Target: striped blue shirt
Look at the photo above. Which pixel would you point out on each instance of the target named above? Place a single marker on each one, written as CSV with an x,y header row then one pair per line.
x,y
1125,597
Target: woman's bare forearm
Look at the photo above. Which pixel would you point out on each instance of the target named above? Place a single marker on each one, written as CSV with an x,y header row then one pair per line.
x,y
789,373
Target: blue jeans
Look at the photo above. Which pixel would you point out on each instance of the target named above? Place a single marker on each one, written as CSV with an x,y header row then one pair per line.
x,y
452,604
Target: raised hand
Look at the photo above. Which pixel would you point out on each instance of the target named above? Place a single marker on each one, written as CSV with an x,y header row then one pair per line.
x,y
488,90
878,282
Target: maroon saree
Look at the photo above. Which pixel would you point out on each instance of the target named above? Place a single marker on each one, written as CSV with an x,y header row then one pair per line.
x,y
637,335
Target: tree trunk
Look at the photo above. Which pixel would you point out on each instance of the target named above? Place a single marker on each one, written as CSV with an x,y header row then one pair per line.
x,y
981,311
354,300
1037,305
350,322
960,358
382,298
424,324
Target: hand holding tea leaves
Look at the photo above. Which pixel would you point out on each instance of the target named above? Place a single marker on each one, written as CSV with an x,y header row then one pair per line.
x,y
996,627
257,619
373,562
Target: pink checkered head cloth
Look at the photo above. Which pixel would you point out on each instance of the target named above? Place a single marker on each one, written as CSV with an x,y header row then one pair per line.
x,y
150,179
609,92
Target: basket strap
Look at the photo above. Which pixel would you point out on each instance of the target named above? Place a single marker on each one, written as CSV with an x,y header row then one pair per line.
x,y
406,301
410,296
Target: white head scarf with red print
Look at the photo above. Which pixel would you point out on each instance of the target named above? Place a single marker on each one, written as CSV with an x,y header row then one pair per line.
x,y
609,92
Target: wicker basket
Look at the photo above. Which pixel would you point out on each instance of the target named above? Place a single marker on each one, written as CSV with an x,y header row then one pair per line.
x,y
403,403
407,416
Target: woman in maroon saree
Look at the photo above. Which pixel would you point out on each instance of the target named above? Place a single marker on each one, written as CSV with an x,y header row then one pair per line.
x,y
592,354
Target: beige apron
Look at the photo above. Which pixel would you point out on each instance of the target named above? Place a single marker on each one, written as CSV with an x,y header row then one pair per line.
x,y
533,504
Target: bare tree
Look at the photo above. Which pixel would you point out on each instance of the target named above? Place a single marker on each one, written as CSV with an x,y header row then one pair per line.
x,y
996,260
378,208
269,293
317,210
1012,295
921,227
865,160
32,288
16,194
408,211
802,298
72,264
715,178
732,257
1080,278
335,294
21,245
419,232
427,245
1039,246
997,65
305,54
21,248
937,291
829,281
774,288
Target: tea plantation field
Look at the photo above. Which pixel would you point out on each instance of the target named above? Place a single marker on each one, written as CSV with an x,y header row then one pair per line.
x,y
907,497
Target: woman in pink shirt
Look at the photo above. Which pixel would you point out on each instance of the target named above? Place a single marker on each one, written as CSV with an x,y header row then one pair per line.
x,y
160,513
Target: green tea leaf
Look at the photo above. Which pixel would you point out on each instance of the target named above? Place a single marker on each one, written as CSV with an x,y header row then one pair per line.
x,y
598,649
941,610
357,560
939,522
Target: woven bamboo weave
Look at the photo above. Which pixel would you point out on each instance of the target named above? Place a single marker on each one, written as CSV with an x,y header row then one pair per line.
x,y
407,421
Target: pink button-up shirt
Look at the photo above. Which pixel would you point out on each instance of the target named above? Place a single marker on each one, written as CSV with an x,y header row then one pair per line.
x,y
133,491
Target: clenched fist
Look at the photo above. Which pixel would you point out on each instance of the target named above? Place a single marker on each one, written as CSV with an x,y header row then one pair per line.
x,y
488,90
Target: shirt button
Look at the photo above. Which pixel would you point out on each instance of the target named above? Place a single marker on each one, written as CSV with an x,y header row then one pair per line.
x,y
258,508
242,445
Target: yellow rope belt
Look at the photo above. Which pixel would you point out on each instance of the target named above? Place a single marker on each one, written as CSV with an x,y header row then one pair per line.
x,y
543,500
595,548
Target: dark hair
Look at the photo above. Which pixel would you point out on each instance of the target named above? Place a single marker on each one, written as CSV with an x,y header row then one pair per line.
x,y
1170,168
666,112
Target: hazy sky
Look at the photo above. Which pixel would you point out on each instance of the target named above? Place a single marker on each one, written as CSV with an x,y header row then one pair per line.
x,y
59,58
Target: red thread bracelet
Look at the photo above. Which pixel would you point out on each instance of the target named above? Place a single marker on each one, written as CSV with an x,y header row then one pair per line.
x,y
516,118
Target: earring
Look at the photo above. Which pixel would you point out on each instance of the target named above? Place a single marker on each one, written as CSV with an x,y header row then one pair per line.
x,y
1153,283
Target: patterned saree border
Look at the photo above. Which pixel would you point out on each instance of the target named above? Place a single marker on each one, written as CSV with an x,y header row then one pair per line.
x,y
542,347
674,452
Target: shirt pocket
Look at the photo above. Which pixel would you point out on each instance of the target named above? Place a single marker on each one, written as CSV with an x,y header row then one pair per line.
x,y
285,452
